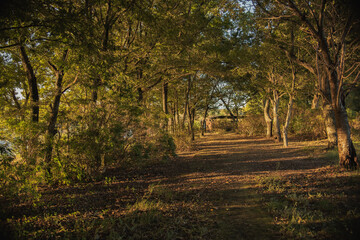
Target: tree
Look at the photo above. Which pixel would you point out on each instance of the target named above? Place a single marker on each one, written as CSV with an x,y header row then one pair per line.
x,y
330,29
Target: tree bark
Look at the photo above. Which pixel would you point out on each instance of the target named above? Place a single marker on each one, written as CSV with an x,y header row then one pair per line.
x,y
291,97
327,110
177,110
165,103
287,121
330,127
172,119
51,129
347,152
32,82
187,99
315,101
95,86
191,122
268,119
203,123
275,103
228,109
140,95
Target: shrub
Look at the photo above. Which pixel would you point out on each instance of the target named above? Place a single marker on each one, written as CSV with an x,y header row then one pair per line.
x,y
354,120
160,147
314,127
252,125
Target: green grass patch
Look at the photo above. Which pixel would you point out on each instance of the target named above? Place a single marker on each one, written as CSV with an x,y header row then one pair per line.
x,y
333,156
157,212
323,205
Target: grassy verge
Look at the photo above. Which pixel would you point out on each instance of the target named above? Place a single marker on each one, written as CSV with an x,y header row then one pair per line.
x,y
155,212
323,204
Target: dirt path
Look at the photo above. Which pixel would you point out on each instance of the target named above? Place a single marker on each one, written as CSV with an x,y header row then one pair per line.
x,y
223,170
207,193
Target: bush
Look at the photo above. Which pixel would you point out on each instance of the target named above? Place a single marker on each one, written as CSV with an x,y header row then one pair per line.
x,y
17,177
225,124
354,120
159,148
182,140
308,124
252,125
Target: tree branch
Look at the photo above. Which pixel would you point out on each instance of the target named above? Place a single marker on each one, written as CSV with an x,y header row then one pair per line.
x,y
9,46
70,84
53,66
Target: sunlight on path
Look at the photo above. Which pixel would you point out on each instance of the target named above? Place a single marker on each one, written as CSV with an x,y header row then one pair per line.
x,y
225,168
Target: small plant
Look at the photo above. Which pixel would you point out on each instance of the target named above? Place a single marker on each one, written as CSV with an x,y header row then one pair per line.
x,y
109,180
145,205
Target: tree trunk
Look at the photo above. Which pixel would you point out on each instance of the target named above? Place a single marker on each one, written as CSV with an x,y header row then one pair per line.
x,y
327,110
330,127
268,119
165,103
94,94
177,110
32,82
275,102
172,120
315,101
51,129
191,122
203,123
347,152
140,95
287,121
291,99
228,109
187,99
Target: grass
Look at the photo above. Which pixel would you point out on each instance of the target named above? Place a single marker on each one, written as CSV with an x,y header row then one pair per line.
x,y
320,205
333,157
154,215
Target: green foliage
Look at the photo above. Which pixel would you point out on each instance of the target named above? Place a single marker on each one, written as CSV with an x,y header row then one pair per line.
x,y
352,101
354,121
313,129
18,179
159,148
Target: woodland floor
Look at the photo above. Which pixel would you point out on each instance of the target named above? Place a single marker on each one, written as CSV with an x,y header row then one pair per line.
x,y
226,187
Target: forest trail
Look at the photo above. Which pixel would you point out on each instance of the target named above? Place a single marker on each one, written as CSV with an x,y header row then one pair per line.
x,y
210,192
224,170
